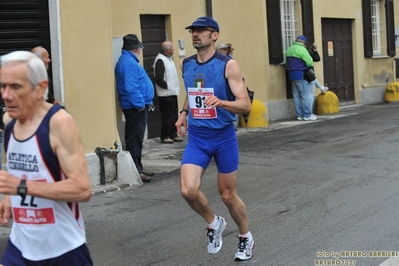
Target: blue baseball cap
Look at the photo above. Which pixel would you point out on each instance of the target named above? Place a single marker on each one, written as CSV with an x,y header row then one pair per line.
x,y
204,22
301,38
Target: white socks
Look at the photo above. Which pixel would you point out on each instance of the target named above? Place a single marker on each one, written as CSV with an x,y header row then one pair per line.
x,y
247,235
214,224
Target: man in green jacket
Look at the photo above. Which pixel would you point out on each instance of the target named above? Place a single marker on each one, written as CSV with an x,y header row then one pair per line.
x,y
298,60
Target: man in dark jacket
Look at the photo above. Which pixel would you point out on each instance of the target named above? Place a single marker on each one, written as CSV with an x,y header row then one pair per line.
x,y
135,93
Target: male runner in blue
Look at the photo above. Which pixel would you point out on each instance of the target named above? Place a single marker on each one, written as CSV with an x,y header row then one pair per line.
x,y
215,93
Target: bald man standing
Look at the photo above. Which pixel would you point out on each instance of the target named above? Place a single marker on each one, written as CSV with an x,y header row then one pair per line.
x,y
168,88
43,54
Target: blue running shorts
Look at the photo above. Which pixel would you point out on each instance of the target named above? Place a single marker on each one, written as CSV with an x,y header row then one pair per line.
x,y
205,143
80,256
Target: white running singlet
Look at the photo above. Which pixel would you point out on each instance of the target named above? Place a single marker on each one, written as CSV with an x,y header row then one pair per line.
x,y
42,228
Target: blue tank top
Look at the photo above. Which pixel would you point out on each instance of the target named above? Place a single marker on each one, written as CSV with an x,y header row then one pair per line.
x,y
210,74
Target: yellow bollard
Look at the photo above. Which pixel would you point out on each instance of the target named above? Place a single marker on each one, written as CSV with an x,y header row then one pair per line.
x,y
392,92
258,117
327,103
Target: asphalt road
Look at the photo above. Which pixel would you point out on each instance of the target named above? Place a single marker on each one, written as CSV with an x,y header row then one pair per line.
x,y
324,190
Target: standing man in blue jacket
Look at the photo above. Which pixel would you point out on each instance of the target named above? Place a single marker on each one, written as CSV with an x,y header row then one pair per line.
x,y
298,60
135,92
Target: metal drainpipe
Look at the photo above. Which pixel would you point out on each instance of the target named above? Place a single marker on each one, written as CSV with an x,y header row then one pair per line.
x,y
100,153
208,6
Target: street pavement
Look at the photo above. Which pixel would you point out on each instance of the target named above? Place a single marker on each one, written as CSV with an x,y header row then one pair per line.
x,y
317,193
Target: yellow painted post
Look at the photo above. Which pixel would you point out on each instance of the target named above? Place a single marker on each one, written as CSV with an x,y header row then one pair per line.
x,y
258,117
392,92
327,103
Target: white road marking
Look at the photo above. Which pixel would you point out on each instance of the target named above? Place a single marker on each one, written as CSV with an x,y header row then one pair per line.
x,y
392,261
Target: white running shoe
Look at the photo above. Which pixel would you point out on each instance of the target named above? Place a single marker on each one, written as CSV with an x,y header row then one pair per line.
x,y
245,247
310,118
299,118
215,241
323,89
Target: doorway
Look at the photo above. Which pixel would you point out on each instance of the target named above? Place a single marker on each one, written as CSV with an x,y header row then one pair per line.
x,y
153,32
338,58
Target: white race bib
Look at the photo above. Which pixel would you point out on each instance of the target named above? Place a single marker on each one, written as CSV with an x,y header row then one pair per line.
x,y
196,98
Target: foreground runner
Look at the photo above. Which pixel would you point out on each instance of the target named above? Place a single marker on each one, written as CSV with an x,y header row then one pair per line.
x,y
215,93
47,171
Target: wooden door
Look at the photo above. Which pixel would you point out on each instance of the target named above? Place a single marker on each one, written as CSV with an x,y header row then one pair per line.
x,y
338,58
153,32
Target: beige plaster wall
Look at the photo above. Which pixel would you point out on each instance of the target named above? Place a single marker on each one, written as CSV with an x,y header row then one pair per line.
x,y
87,28
396,8
367,72
244,25
88,70
126,19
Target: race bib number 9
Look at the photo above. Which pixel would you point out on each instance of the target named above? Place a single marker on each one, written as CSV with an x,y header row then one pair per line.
x,y
198,109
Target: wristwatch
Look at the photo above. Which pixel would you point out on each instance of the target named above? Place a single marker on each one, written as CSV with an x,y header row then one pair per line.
x,y
22,189
184,110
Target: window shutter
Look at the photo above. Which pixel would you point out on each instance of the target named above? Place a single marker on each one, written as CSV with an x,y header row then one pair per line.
x,y
391,49
307,20
24,25
274,31
367,31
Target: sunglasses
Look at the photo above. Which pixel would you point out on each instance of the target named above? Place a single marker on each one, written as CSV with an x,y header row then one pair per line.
x,y
199,30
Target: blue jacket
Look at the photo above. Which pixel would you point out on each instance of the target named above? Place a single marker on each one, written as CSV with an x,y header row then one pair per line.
x,y
298,59
135,88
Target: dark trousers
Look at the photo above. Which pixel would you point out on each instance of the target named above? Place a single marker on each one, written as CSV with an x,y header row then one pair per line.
x,y
135,125
169,115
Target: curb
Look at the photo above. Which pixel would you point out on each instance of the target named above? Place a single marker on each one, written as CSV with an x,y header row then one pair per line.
x,y
163,158
103,189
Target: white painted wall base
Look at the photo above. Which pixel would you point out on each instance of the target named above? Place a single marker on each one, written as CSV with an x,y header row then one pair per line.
x,y
281,109
372,95
124,171
285,109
